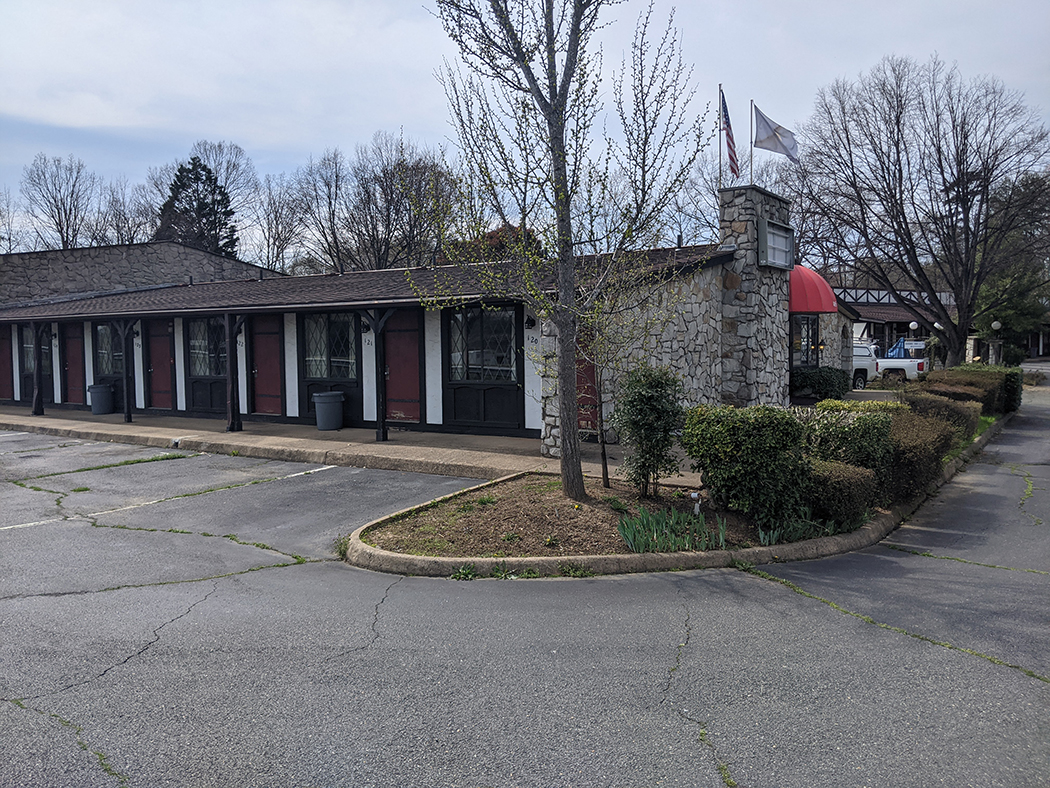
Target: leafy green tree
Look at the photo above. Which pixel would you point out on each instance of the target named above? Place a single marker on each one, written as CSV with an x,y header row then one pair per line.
x,y
648,416
197,212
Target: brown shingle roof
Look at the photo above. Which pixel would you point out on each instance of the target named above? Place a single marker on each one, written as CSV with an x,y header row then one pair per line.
x,y
352,290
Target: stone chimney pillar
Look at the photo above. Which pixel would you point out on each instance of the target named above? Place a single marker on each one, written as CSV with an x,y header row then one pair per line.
x,y
755,331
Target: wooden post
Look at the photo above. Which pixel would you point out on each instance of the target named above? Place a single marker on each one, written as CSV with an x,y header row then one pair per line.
x,y
39,332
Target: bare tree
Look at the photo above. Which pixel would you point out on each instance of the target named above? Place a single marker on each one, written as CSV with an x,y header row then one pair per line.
x,y
399,204
12,232
125,215
279,222
525,113
322,186
918,175
60,198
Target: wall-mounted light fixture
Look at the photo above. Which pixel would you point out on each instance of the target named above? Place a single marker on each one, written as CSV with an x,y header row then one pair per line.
x,y
530,322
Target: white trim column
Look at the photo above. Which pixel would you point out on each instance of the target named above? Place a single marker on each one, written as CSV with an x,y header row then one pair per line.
x,y
291,365
56,365
180,365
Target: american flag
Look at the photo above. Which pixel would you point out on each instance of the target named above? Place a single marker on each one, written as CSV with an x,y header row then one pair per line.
x,y
734,165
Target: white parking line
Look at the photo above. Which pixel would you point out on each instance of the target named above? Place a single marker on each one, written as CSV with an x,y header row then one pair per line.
x,y
28,525
221,489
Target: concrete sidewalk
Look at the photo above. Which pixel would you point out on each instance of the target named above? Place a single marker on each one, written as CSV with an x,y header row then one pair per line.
x,y
446,454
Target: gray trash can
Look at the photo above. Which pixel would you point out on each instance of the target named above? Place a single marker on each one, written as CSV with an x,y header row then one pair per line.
x,y
101,399
328,406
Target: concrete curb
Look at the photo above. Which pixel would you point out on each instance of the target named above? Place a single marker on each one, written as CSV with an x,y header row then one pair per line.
x,y
875,530
170,439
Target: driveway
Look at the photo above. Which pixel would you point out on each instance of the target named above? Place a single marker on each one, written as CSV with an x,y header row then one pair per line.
x,y
142,648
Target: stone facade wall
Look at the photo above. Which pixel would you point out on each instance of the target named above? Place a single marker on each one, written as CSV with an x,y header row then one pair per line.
x,y
755,329
30,276
836,352
682,322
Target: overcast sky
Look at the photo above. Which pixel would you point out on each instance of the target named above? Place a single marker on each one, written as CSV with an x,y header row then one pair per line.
x,y
129,84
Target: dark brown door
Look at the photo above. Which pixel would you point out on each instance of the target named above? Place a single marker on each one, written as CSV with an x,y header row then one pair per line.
x,y
266,364
73,381
161,363
7,367
402,363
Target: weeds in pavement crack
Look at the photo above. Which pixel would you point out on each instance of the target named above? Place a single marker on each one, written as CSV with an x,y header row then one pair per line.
x,y
900,630
1029,489
122,463
927,554
100,757
722,766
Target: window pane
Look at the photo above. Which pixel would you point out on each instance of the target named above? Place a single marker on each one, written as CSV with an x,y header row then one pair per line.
x,y
457,366
316,330
343,346
28,358
199,348
779,246
217,347
108,351
499,345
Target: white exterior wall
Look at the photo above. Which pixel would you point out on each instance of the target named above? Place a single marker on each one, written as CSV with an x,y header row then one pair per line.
x,y
434,394
138,369
180,365
89,357
242,368
291,365
533,378
16,362
368,374
56,364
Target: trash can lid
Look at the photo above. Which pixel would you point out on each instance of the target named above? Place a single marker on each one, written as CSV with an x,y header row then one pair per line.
x,y
328,396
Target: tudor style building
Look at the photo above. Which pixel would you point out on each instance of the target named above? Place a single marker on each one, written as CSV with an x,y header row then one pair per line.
x,y
261,347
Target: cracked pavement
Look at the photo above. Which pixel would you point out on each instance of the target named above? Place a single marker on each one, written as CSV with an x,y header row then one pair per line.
x,y
142,648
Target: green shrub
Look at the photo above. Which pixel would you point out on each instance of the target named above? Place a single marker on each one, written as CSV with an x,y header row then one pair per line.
x,y
919,445
962,416
648,415
1001,387
956,391
862,406
824,382
857,438
841,493
750,458
1013,389
1013,355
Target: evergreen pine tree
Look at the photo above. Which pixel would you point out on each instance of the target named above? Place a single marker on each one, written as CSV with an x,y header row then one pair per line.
x,y
197,212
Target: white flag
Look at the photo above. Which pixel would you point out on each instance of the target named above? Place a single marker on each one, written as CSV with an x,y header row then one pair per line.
x,y
771,136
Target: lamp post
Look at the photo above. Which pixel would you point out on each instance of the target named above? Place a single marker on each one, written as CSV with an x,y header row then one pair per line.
x,y
996,343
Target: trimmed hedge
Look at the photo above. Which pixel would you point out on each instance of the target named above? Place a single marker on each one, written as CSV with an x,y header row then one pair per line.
x,y
1001,387
824,382
841,493
861,406
919,445
751,459
856,438
964,417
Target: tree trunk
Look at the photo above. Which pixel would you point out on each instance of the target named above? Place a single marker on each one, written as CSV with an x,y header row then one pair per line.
x,y
568,415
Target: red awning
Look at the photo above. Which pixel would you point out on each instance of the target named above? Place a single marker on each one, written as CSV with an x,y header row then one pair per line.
x,y
810,293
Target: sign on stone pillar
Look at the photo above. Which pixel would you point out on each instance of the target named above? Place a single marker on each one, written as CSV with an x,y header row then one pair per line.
x,y
755,331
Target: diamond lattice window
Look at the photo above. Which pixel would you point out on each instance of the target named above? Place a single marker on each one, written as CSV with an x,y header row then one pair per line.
x,y
330,346
482,345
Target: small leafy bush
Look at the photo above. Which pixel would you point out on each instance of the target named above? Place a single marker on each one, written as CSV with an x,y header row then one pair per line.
x,y
648,416
750,458
842,493
857,438
669,531
861,406
963,416
1001,387
919,445
1013,389
824,382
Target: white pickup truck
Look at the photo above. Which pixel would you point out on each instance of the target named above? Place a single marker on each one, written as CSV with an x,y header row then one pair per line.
x,y
901,369
864,365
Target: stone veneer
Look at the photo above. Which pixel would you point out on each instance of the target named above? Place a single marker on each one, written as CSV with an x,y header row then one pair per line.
x,y
30,276
727,337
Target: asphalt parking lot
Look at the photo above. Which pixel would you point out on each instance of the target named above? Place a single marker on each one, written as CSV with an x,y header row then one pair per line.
x,y
182,621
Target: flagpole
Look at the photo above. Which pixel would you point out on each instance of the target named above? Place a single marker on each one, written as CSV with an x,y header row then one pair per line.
x,y
720,121
751,142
